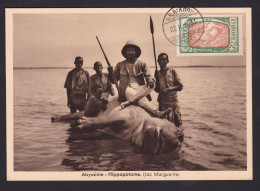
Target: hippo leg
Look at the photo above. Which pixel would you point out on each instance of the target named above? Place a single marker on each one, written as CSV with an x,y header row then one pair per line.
x,y
72,116
102,122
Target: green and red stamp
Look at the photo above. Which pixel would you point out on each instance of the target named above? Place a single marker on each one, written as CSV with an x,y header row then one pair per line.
x,y
196,34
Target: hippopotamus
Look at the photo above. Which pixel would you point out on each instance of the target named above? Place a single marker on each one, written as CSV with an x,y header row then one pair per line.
x,y
132,123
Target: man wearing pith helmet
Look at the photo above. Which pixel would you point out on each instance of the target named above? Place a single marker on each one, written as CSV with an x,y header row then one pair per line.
x,y
134,79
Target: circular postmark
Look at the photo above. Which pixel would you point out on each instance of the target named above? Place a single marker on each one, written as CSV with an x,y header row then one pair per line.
x,y
183,26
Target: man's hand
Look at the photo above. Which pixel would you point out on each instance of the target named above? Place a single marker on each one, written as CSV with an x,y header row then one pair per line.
x,y
104,101
156,75
150,83
125,104
165,90
110,69
169,89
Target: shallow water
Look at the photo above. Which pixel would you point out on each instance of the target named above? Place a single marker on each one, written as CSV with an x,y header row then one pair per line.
x,y
213,107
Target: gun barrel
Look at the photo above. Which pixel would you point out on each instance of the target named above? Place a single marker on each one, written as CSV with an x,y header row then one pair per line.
x,y
113,75
103,51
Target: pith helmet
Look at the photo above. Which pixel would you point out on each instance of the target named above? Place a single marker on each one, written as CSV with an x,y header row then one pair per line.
x,y
131,44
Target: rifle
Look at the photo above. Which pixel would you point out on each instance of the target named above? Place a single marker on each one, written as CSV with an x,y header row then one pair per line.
x,y
108,63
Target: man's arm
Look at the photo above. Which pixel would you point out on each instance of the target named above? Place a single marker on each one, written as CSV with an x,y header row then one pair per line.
x,y
177,81
149,79
91,87
157,85
68,86
68,97
88,82
114,73
111,89
169,89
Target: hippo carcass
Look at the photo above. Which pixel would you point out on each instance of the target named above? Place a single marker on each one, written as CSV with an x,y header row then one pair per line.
x,y
133,123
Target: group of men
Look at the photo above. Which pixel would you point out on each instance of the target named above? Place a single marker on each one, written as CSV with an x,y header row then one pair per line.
x,y
89,94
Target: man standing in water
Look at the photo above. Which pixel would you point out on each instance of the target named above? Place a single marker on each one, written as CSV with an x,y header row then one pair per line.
x,y
132,74
167,85
77,83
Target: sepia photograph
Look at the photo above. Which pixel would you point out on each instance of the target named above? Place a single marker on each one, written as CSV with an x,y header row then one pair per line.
x,y
129,94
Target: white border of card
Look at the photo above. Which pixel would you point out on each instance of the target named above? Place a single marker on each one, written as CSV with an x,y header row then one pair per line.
x,y
126,175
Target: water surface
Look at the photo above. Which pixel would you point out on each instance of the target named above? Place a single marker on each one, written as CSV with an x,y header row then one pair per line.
x,y
213,107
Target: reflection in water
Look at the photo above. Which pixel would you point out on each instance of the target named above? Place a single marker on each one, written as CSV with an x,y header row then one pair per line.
x,y
94,150
84,149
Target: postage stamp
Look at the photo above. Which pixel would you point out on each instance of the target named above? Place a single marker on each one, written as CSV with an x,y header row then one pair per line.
x,y
220,36
207,88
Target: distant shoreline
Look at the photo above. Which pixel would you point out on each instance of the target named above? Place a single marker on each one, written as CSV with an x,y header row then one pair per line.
x,y
197,66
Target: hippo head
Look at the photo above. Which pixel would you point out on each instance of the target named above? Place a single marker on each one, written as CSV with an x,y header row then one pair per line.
x,y
160,136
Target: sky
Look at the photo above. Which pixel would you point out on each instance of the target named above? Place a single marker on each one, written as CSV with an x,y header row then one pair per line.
x,y
55,39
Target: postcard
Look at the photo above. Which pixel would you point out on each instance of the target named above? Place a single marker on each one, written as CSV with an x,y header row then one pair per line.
x,y
129,94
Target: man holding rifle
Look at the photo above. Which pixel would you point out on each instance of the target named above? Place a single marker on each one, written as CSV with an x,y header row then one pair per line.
x,y
132,75
99,90
100,80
